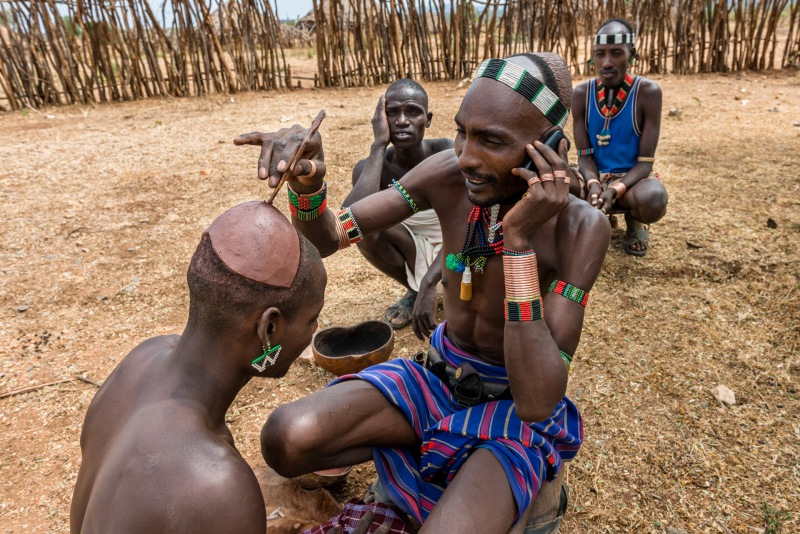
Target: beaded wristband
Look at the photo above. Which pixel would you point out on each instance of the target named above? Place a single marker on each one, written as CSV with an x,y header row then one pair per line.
x,y
523,310
586,152
567,360
619,187
308,207
569,291
521,275
406,196
347,229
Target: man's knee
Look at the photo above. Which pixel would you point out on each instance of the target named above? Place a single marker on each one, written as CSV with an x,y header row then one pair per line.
x,y
287,438
370,246
651,204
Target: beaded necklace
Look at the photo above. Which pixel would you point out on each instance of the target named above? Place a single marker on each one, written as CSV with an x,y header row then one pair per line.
x,y
474,255
618,100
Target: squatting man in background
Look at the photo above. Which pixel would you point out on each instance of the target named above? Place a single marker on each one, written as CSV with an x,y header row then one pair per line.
x,y
617,119
407,252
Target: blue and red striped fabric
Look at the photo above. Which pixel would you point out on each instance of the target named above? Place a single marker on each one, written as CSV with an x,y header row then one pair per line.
x,y
529,452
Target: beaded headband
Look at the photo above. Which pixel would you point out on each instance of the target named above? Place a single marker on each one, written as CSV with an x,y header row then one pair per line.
x,y
524,83
615,38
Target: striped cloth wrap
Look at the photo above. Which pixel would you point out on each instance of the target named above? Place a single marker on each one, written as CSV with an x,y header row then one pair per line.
x,y
530,453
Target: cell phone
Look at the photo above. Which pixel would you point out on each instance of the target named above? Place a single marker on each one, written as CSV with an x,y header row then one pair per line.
x,y
553,140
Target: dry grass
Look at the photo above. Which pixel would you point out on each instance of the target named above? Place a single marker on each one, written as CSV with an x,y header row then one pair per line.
x,y
103,206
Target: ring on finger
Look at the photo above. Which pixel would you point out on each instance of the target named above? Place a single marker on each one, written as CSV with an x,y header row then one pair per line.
x,y
560,174
311,172
534,180
548,177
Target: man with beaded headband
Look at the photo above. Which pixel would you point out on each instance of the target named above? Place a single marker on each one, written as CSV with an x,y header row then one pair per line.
x,y
617,118
157,455
465,439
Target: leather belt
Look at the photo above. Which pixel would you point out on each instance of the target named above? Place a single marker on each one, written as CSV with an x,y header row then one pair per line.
x,y
464,381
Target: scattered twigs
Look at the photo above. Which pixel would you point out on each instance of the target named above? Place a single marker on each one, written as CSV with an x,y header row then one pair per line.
x,y
297,154
88,380
35,387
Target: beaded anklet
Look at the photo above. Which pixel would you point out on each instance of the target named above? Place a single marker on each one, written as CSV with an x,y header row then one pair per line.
x,y
586,152
567,360
308,207
569,291
523,301
347,229
406,196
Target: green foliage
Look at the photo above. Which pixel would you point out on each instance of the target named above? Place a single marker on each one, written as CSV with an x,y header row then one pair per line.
x,y
73,30
774,518
6,18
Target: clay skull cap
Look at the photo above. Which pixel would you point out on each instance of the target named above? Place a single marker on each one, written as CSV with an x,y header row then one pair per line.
x,y
256,241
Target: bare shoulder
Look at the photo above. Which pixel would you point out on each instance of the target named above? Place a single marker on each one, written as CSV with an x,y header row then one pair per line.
x,y
440,165
649,86
582,220
579,92
580,89
157,343
649,92
583,236
440,144
218,492
579,98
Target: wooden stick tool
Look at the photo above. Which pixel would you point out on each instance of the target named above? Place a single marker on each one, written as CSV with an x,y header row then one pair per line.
x,y
296,157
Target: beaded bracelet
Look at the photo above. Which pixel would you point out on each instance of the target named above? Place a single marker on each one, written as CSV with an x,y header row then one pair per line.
x,y
523,310
347,229
308,207
569,291
586,152
406,196
567,360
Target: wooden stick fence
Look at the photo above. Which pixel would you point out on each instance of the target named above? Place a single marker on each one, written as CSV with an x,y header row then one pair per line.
x,y
105,50
369,42
92,51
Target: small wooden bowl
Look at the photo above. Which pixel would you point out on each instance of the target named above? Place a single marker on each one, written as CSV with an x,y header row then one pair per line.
x,y
343,350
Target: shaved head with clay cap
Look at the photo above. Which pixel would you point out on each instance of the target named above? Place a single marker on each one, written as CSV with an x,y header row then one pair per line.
x,y
157,425
250,257
256,241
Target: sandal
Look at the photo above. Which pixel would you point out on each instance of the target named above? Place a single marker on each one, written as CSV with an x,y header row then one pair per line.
x,y
636,233
551,527
402,309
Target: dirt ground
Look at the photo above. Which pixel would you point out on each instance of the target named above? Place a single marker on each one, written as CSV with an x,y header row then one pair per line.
x,y
102,208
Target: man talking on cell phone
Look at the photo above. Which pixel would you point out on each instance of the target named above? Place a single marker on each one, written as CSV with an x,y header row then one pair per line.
x,y
466,437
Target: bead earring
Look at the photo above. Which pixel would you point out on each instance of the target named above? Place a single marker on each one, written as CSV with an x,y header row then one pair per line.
x,y
267,358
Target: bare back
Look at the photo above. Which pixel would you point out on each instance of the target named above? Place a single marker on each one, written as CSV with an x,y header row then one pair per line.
x,y
151,462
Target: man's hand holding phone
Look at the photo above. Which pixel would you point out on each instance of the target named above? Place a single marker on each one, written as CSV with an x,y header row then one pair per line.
x,y
548,191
